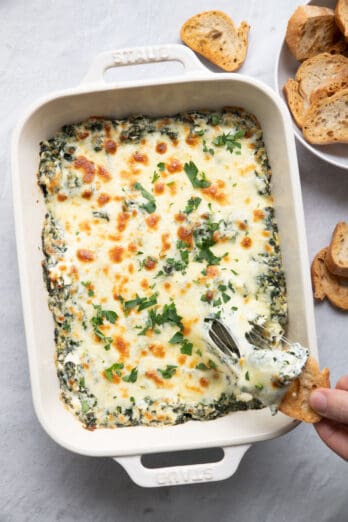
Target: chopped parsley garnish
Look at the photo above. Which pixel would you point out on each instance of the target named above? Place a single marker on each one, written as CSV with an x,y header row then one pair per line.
x,y
161,166
215,119
155,177
225,297
66,326
259,386
132,377
177,338
168,315
186,347
141,302
204,239
98,320
114,369
230,141
150,206
212,365
203,367
168,372
192,173
210,151
192,204
84,406
87,285
247,377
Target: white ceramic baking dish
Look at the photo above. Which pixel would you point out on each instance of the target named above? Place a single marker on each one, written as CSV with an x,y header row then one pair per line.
x,y
196,88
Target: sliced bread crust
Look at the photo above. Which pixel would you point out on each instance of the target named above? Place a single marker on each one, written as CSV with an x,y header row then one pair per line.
x,y
311,30
319,71
337,254
296,401
327,120
341,16
326,284
214,35
295,101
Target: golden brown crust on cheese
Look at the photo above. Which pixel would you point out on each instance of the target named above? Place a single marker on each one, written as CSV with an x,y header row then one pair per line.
x,y
296,401
337,254
311,30
214,35
341,17
326,284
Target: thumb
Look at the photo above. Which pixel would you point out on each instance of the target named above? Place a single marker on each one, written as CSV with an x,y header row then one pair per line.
x,y
332,404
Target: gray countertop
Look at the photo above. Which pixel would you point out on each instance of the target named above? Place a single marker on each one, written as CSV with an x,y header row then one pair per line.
x,y
47,45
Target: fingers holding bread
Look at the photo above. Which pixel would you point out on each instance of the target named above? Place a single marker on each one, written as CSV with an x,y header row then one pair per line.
x,y
295,403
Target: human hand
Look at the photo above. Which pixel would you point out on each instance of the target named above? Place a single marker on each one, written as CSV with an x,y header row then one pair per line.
x,y
332,404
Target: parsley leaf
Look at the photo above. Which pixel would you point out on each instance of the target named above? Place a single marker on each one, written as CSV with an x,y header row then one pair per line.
x,y
177,338
201,366
155,177
211,151
230,141
161,166
186,347
168,372
141,302
151,205
98,320
114,369
192,173
168,315
192,204
132,377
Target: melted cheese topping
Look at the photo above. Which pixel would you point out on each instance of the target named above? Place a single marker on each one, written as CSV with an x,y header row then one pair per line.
x,y
154,226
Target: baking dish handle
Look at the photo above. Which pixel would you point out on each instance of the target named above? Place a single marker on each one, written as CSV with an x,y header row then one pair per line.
x,y
189,474
139,55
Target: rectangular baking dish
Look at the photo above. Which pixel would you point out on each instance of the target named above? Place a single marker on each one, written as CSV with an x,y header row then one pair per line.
x,y
195,89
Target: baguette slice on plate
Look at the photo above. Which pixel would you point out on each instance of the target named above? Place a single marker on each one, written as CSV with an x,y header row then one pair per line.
x,y
341,16
327,121
321,71
214,35
311,30
296,103
296,400
326,284
337,254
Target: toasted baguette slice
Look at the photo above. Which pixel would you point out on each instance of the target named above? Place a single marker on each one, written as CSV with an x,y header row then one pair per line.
x,y
295,101
327,121
319,71
330,88
214,35
296,401
326,284
311,30
341,16
340,47
337,254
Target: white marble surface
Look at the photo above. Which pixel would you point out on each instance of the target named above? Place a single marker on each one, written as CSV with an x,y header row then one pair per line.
x,y
47,45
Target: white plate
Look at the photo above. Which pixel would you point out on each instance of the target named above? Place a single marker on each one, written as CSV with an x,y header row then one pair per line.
x,y
286,67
